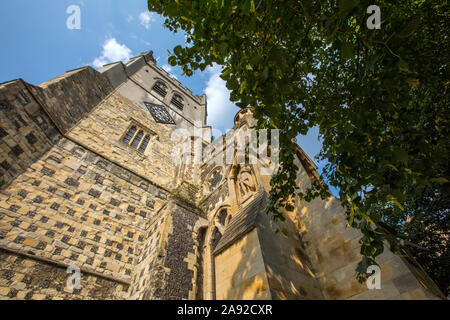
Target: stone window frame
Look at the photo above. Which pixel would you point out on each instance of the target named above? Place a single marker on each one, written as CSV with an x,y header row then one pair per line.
x,y
161,88
209,177
147,135
177,100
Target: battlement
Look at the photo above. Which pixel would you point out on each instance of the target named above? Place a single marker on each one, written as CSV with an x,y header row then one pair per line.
x,y
118,72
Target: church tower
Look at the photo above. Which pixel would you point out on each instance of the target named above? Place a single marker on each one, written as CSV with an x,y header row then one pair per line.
x,y
112,175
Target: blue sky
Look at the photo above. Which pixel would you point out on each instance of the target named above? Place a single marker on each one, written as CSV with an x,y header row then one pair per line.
x,y
37,46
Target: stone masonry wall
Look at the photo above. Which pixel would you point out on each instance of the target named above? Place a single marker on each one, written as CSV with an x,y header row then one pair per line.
x,y
87,199
149,269
290,273
333,248
22,278
69,97
75,207
102,130
179,254
241,271
25,131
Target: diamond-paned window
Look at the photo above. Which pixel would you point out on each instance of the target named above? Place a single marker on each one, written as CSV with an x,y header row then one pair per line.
x,y
159,113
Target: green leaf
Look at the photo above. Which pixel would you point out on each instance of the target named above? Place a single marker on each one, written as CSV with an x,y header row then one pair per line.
x,y
400,154
413,82
172,60
403,66
188,19
394,199
265,73
252,6
352,215
366,217
392,167
178,50
232,84
248,7
440,180
243,86
225,73
347,51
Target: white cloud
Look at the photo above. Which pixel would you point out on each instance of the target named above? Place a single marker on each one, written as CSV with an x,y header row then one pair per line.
x,y
146,18
112,52
169,69
130,18
221,110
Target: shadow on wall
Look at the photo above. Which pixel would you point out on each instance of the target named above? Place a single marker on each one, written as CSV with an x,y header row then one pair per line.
x,y
263,264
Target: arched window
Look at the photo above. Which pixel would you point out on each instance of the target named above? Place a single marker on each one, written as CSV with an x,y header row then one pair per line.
x,y
160,88
214,179
208,238
222,217
177,101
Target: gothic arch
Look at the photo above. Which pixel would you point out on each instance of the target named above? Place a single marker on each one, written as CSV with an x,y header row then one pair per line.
x,y
161,87
213,179
178,100
208,236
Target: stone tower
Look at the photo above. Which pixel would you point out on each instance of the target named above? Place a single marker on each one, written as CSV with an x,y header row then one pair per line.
x,y
89,180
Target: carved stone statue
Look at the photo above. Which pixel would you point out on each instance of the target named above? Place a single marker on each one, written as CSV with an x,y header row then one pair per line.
x,y
246,183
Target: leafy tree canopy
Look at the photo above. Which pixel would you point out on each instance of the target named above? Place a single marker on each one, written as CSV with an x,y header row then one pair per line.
x,y
379,96
424,228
